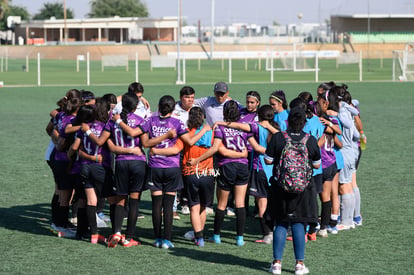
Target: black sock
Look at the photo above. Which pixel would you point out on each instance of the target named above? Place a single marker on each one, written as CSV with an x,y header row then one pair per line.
x,y
167,204
82,226
326,214
312,228
54,205
132,218
63,218
118,218
198,234
157,215
91,214
100,206
240,220
74,209
264,226
218,221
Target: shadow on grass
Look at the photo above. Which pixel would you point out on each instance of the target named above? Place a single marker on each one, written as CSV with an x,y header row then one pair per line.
x,y
26,218
220,258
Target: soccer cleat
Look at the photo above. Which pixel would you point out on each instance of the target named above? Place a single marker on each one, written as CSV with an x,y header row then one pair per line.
x,y
129,243
345,227
189,235
185,210
230,212
66,233
215,239
323,233
166,244
176,216
275,268
332,229
209,211
74,221
239,241
141,216
95,238
100,222
157,243
103,217
114,240
311,237
267,239
199,242
358,221
301,269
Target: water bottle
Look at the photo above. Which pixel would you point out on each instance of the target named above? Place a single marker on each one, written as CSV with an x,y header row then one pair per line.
x,y
363,141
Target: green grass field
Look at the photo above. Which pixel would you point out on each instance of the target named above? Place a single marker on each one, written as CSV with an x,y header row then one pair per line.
x,y
63,72
380,246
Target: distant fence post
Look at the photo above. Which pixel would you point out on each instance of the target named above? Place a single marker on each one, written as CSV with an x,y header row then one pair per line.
x,y
360,66
136,67
230,70
88,72
38,69
184,71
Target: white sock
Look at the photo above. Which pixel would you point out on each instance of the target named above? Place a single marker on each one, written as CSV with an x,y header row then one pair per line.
x,y
357,210
347,209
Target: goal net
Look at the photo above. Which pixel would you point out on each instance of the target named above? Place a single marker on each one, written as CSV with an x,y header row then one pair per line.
x,y
289,57
114,61
403,63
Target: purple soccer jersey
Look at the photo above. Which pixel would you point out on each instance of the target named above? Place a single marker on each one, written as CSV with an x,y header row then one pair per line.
x,y
255,134
120,138
157,126
327,151
62,122
232,139
246,116
91,148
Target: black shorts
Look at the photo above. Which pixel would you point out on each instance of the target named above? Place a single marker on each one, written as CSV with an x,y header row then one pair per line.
x,y
78,186
329,173
98,177
318,183
231,174
165,179
259,185
199,190
359,158
64,179
130,177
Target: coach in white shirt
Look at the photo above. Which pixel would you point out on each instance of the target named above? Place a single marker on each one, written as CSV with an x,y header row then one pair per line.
x,y
213,105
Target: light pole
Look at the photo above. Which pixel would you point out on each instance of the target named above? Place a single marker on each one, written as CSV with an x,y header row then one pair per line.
x,y
179,81
369,34
212,29
65,25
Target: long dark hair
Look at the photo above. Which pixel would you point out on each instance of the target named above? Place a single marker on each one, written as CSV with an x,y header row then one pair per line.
x,y
310,105
280,96
85,114
129,104
195,118
266,112
231,112
101,109
166,105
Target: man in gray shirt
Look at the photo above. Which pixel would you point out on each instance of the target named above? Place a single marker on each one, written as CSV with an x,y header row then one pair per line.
x,y
213,105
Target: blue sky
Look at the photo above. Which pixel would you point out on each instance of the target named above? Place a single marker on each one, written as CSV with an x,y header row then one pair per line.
x,y
263,12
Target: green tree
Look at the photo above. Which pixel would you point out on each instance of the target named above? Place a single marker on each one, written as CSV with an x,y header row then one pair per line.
x,y
52,9
13,11
122,8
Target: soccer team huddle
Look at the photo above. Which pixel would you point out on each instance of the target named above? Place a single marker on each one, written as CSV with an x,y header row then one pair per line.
x,y
286,157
